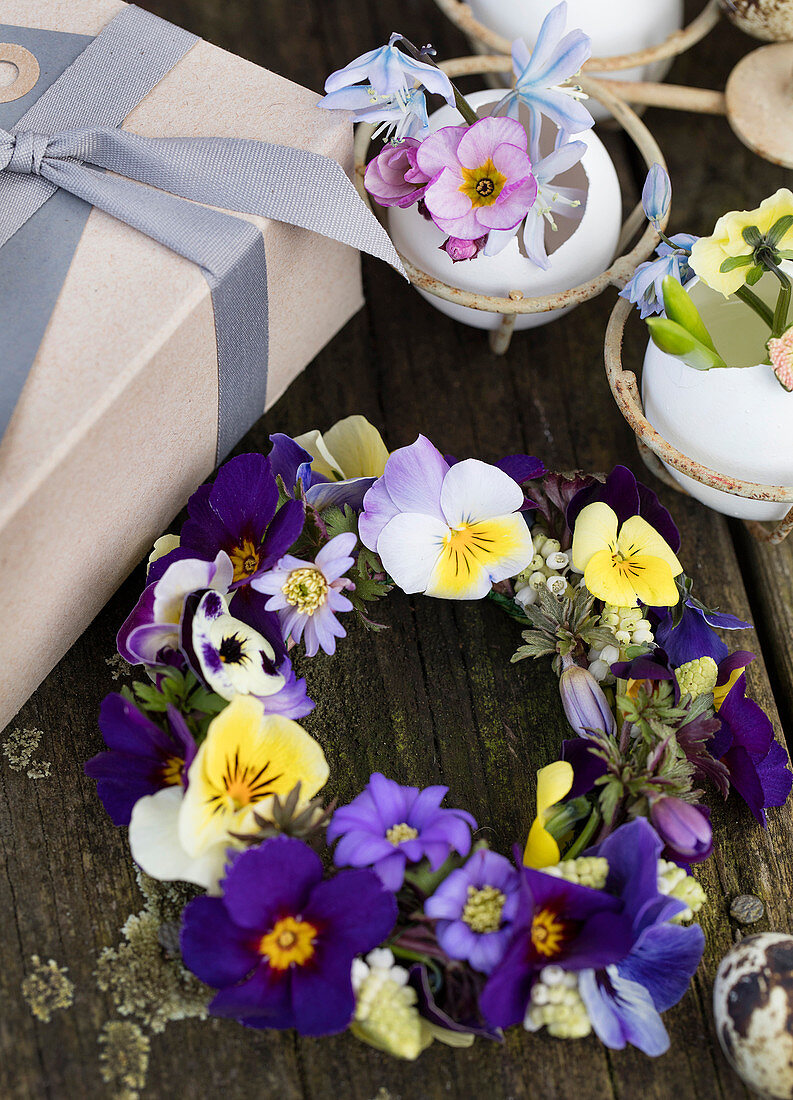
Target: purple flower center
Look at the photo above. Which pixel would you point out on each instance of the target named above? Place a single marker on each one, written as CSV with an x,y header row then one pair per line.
x,y
482,912
171,771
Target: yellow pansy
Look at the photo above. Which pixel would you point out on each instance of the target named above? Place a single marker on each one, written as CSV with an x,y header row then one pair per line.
x,y
351,448
727,241
624,564
554,782
247,758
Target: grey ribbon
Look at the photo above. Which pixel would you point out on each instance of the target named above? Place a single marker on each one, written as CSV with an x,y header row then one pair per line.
x,y
288,185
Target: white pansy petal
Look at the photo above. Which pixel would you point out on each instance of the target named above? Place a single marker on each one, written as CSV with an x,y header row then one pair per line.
x,y
595,530
323,462
156,847
409,546
474,490
357,446
183,577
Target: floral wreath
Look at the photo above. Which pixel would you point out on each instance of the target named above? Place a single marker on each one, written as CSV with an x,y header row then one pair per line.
x,y
391,916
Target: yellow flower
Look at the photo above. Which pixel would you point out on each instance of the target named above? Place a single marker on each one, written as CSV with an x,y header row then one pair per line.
x,y
247,758
351,448
720,692
727,241
625,565
553,783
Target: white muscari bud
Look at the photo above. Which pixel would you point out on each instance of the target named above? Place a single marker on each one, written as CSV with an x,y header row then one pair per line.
x,y
539,538
551,546
526,596
610,654
537,579
600,670
540,993
623,637
642,637
558,561
557,586
386,1016
558,1007
585,871
552,975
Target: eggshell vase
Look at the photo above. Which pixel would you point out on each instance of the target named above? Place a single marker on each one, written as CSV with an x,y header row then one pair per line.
x,y
752,1006
737,420
615,27
583,246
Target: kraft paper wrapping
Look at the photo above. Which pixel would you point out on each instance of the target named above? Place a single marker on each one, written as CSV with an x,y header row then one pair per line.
x,y
117,423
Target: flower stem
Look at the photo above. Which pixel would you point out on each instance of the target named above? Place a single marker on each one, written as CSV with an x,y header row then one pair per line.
x,y
462,104
779,323
749,298
585,835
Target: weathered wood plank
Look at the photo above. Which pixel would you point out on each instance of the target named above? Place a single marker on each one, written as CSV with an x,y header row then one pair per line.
x,y
434,699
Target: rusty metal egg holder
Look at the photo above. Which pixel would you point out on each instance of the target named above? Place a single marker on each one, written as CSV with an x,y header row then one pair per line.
x,y
616,275
655,450
678,42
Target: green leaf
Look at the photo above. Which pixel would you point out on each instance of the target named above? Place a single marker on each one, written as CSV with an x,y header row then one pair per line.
x,y
752,235
673,339
779,229
734,262
754,276
680,308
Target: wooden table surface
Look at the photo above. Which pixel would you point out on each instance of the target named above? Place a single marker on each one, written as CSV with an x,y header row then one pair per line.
x,y
434,698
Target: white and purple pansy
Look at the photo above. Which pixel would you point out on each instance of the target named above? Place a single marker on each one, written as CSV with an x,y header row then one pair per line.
x,y
151,631
234,658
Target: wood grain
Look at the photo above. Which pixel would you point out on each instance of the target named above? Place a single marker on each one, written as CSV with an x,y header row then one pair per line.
x,y
434,698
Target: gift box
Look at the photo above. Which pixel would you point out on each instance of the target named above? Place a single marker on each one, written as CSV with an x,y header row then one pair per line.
x,y
117,422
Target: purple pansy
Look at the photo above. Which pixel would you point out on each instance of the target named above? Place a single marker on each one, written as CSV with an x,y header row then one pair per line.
x,y
586,764
142,758
689,634
239,515
559,923
627,497
307,595
475,907
745,744
388,826
624,1000
292,463
279,943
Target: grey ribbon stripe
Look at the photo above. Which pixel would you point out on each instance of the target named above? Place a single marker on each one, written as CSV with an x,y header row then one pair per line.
x,y
289,185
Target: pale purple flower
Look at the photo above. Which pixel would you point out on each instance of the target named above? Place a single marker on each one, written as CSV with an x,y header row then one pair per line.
x,y
402,114
551,200
389,70
541,75
388,826
481,177
307,595
645,288
393,177
657,195
475,908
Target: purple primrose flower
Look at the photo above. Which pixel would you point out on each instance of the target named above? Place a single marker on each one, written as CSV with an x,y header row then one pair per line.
x,y
393,177
279,944
475,908
307,595
388,826
142,758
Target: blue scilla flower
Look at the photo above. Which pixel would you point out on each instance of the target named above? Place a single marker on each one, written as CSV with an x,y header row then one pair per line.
x,y
401,114
541,75
645,289
657,195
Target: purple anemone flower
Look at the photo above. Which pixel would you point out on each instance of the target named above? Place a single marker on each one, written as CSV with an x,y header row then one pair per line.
x,y
279,943
307,595
624,1000
627,497
239,514
388,826
142,758
745,744
475,908
558,923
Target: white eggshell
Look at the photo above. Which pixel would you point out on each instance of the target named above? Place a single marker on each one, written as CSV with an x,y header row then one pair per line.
x,y
753,1007
586,252
737,421
615,27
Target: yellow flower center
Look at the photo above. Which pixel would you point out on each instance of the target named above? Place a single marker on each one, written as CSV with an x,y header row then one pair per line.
x,y
290,942
245,560
306,589
171,771
242,785
548,933
482,911
397,833
484,184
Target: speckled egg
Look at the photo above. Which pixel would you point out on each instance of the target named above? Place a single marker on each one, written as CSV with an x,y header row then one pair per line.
x,y
771,20
753,1006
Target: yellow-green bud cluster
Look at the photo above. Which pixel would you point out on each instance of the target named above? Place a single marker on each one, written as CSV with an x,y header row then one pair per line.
x,y
585,871
556,1005
697,677
386,1016
630,627
549,568
674,882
